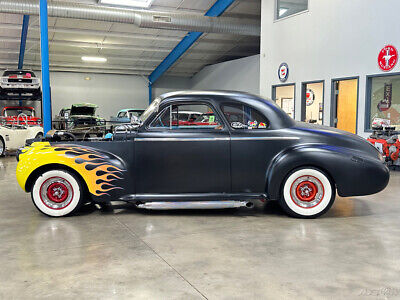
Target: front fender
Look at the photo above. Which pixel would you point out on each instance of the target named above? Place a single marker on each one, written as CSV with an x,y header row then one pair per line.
x,y
352,173
102,172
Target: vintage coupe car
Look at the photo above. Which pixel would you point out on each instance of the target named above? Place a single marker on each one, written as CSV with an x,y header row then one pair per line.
x,y
80,120
262,155
20,82
13,137
24,115
125,116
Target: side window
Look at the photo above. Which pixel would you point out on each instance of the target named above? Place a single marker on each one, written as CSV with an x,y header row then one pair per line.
x,y
244,117
171,118
122,114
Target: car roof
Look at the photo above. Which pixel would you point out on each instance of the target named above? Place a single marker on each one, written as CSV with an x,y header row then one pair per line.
x,y
130,109
204,93
84,105
18,107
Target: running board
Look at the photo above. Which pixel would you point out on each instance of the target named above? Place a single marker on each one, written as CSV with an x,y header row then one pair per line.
x,y
195,205
192,197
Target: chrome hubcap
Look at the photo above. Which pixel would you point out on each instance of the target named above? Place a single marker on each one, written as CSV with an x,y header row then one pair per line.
x,y
56,193
307,191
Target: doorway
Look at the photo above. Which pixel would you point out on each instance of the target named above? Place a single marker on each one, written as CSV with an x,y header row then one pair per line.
x,y
312,102
344,104
284,96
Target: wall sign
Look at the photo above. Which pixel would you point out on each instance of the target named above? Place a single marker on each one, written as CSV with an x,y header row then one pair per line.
x,y
310,97
387,58
283,72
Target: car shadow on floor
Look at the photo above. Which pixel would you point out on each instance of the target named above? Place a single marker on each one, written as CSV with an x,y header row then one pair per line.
x,y
342,208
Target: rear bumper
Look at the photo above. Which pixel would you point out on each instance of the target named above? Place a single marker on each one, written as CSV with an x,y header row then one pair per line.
x,y
14,88
367,177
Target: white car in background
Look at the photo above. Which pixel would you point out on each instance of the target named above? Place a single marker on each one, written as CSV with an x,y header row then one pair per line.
x,y
13,137
19,82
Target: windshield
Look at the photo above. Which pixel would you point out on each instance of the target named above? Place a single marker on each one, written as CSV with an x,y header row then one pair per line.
x,y
152,108
83,110
19,72
14,112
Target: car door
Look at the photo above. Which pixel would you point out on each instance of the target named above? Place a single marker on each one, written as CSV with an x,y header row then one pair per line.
x,y
253,146
16,138
174,157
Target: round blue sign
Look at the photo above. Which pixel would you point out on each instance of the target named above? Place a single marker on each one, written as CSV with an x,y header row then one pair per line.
x,y
283,72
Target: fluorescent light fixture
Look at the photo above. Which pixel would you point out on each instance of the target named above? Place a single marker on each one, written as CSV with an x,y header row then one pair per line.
x,y
94,59
282,11
128,3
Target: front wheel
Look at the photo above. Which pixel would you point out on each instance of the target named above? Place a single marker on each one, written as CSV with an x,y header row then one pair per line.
x,y
57,193
2,147
307,193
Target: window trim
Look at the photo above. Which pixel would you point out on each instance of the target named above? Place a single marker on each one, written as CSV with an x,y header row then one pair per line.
x,y
273,94
276,13
368,87
188,102
237,129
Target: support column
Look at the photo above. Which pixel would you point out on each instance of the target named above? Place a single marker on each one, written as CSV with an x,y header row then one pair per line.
x,y
44,53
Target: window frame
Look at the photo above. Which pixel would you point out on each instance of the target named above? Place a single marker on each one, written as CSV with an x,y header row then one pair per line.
x,y
273,94
242,129
303,105
276,12
368,95
186,102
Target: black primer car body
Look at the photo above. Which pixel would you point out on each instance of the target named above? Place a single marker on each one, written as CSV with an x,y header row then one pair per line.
x,y
159,164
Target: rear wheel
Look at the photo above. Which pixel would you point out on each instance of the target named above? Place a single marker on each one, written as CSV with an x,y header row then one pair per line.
x,y
57,193
307,193
2,147
39,135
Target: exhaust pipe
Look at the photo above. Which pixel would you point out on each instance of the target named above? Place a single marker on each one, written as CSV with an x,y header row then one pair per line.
x,y
195,205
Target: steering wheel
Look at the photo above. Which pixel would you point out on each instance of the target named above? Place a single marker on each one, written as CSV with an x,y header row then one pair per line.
x,y
24,117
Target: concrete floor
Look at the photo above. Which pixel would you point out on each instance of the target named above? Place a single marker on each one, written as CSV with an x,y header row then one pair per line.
x,y
352,252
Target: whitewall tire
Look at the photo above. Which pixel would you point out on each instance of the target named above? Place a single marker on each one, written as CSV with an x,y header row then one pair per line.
x,y
307,193
2,147
57,193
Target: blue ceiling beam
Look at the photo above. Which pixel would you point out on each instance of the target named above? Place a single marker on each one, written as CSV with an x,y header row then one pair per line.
x,y
24,34
215,11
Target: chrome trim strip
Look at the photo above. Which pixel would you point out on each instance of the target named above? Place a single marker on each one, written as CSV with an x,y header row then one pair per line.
x,y
257,138
266,138
180,139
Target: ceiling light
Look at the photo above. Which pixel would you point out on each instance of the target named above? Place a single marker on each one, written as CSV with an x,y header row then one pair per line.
x,y
94,59
129,3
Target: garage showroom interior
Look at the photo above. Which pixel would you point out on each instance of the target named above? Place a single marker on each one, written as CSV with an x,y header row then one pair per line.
x,y
199,149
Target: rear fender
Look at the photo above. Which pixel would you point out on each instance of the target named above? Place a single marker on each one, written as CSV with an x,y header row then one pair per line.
x,y
336,162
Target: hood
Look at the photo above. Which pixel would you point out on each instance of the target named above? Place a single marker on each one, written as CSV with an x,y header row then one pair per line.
x,y
336,137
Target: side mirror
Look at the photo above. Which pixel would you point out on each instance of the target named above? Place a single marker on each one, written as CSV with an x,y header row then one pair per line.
x,y
238,125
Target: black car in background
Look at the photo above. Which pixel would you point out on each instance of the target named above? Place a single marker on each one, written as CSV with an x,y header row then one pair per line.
x,y
248,149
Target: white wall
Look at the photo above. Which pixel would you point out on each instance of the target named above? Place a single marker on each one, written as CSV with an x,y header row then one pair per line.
x,y
170,84
241,75
110,92
333,39
114,92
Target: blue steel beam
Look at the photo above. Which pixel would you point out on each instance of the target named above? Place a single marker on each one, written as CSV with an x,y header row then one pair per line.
x,y
44,53
24,34
215,11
